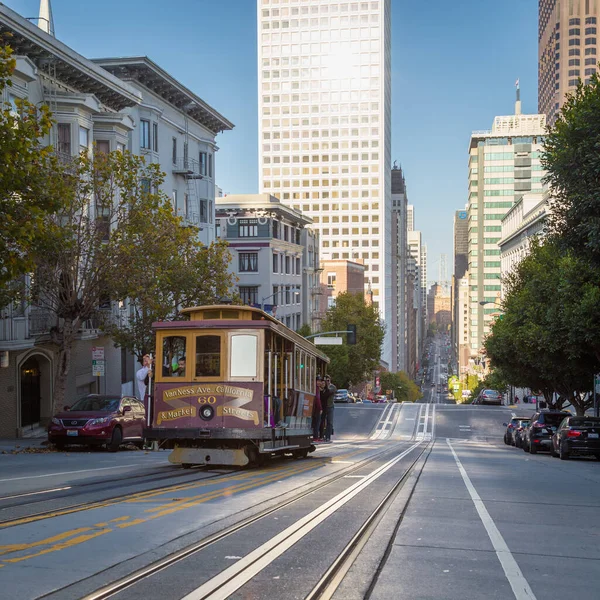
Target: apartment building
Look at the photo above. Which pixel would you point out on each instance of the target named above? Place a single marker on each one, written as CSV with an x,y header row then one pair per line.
x,y
460,303
270,255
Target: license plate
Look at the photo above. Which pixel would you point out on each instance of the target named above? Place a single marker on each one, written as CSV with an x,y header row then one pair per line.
x,y
592,435
72,432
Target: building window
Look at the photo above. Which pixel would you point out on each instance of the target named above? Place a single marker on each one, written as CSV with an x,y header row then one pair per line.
x,y
102,146
574,62
155,137
64,138
84,138
185,155
210,165
575,31
275,296
203,211
144,134
218,229
249,294
590,51
288,294
275,229
590,41
287,265
248,228
174,151
248,262
203,161
275,262
331,277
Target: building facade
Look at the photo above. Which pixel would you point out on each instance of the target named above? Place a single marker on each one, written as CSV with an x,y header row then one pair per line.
x,y
95,109
268,254
567,50
524,221
461,258
324,101
439,306
399,270
341,276
504,164
176,129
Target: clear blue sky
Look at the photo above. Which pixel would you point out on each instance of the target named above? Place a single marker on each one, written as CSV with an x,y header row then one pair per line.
x,y
454,68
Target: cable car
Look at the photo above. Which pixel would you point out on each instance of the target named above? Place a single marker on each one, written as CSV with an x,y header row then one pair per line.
x,y
231,386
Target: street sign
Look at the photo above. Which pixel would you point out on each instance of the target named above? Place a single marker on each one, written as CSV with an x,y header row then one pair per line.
x,y
328,341
98,368
98,353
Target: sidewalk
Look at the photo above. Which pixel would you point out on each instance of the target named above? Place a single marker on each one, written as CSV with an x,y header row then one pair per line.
x,y
10,445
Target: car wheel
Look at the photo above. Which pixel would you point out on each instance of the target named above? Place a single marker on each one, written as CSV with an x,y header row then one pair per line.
x,y
115,440
532,448
506,441
564,455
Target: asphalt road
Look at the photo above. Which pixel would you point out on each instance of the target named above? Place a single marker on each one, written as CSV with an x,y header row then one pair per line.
x,y
468,518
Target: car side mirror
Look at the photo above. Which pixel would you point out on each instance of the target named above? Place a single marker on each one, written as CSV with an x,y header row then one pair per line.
x,y
126,409
66,408
505,424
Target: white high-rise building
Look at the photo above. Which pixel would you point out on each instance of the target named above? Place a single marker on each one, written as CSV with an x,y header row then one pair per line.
x,y
324,101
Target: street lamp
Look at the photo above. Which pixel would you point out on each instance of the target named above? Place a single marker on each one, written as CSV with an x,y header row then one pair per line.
x,y
262,304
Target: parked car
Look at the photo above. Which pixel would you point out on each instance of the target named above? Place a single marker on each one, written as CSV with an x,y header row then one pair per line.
x,y
491,397
538,436
577,435
342,396
96,420
511,427
518,433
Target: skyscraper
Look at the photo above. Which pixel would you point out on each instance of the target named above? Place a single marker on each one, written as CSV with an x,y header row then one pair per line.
x,y
324,101
460,308
504,163
567,50
399,271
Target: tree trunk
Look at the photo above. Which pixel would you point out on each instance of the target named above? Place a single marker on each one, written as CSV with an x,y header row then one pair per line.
x,y
63,365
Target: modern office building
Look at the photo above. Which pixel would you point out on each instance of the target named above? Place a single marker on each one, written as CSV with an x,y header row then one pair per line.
x,y
567,50
266,240
399,270
504,164
415,249
324,101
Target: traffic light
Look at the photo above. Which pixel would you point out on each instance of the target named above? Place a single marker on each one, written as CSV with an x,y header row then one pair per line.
x,y
351,339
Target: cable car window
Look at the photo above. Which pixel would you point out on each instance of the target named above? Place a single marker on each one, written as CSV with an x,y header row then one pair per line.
x,y
174,353
208,356
244,355
230,314
212,314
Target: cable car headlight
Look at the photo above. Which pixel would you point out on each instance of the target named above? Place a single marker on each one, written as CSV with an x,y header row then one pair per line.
x,y
207,413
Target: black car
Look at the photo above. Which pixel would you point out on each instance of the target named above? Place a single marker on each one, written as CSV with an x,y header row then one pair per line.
x,y
511,429
538,436
577,435
520,431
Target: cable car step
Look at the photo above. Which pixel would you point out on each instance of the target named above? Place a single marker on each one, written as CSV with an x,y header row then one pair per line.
x,y
265,448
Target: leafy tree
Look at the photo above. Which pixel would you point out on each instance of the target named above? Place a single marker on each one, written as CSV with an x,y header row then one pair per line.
x,y
182,274
110,234
30,183
305,330
533,343
571,159
354,364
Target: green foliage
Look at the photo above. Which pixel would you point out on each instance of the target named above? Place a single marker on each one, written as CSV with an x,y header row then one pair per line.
x,y
573,163
305,330
402,386
30,184
354,364
539,344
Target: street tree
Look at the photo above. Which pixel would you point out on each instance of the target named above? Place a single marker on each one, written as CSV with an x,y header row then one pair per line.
x,y
355,363
533,342
30,183
402,386
571,161
184,273
110,226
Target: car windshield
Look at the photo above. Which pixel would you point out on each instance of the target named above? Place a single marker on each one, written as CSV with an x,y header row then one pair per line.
x,y
552,419
492,393
96,404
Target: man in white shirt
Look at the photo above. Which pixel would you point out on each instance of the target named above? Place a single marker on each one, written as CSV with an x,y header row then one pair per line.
x,y
142,374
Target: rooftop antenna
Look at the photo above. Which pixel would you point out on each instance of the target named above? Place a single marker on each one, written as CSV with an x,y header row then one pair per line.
x,y
46,20
518,102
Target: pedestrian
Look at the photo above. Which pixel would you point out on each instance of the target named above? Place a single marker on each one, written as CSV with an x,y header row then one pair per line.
x,y
317,409
328,391
516,399
143,376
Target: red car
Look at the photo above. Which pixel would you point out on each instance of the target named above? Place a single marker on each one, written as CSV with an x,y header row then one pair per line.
x,y
95,420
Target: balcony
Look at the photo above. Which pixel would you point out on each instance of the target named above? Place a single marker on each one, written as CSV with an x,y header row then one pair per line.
x,y
187,167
